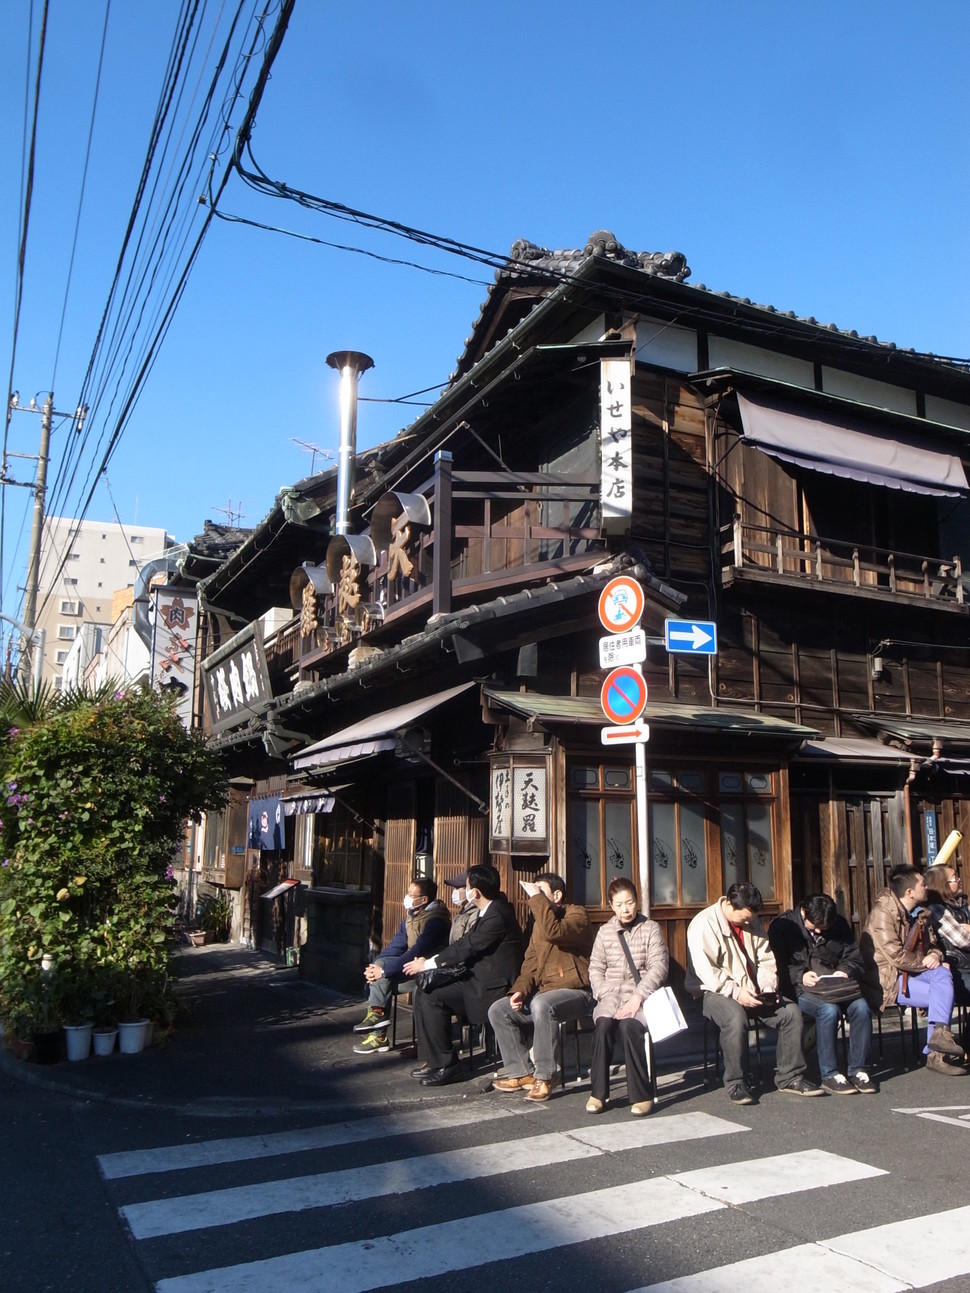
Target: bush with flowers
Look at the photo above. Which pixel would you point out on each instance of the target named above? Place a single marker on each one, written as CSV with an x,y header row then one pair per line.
x,y
95,791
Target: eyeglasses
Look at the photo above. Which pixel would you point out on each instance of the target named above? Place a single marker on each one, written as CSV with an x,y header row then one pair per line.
x,y
954,879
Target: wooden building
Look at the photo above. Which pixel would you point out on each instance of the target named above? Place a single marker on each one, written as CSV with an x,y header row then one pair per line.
x,y
430,695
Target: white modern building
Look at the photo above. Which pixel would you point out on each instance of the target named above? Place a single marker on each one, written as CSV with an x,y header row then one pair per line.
x,y
82,565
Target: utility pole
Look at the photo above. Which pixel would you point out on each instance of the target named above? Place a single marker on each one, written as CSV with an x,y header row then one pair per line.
x,y
47,415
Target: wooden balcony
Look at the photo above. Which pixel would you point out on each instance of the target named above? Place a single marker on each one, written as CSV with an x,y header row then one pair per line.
x,y
760,554
491,532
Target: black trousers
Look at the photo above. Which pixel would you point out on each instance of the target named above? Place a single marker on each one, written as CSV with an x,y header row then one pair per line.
x,y
433,1012
632,1033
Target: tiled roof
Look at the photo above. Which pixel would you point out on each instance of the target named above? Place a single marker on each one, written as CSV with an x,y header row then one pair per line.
x,y
543,269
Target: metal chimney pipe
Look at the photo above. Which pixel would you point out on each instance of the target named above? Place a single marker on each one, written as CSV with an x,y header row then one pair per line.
x,y
350,364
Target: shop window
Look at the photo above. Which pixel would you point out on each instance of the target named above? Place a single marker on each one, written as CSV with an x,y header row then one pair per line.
x,y
693,814
746,830
601,816
678,838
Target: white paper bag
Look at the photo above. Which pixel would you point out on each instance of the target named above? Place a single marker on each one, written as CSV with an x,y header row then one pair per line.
x,y
662,1015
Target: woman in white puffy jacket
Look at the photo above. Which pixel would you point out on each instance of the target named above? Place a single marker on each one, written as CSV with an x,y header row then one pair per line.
x,y
620,991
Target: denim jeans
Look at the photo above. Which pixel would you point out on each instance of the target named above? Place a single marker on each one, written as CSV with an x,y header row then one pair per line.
x,y
826,1016
541,1018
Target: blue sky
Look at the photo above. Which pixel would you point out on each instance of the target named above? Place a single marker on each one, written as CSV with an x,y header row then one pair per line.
x,y
810,156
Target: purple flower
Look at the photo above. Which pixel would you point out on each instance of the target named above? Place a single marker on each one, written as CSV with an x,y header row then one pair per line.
x,y
14,731
6,861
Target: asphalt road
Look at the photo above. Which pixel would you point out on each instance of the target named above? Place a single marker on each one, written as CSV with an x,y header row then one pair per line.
x,y
352,1176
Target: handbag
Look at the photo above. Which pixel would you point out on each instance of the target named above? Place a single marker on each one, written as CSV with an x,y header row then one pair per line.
x,y
440,975
838,993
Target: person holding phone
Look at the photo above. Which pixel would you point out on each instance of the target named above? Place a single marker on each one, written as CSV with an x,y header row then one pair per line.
x,y
732,968
821,967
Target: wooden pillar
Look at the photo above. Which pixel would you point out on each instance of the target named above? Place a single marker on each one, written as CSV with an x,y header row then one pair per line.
x,y
441,557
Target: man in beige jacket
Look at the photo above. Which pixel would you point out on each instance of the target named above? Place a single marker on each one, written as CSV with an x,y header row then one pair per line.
x,y
732,967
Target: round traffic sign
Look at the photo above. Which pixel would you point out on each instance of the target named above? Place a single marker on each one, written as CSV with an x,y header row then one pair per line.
x,y
621,604
624,695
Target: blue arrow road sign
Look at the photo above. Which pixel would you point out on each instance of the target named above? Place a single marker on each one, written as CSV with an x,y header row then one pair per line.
x,y
695,637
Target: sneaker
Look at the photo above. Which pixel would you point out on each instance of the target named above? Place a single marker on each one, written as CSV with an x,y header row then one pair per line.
x,y
373,1044
801,1086
944,1043
937,1063
372,1020
863,1082
740,1093
838,1085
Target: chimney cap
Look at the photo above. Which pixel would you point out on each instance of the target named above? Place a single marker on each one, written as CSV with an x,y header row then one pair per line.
x,y
341,359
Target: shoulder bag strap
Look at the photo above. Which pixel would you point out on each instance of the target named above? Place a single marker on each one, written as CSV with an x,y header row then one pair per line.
x,y
629,955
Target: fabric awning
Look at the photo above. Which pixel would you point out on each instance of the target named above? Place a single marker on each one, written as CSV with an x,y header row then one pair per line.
x,y
370,735
840,448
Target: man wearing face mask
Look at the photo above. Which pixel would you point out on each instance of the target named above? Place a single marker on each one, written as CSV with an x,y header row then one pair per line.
x,y
423,931
491,952
467,912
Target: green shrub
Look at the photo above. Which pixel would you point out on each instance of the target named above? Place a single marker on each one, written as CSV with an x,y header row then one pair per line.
x,y
94,797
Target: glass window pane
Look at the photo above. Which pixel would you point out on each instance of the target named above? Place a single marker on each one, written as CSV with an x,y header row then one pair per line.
x,y
760,864
661,780
730,783
619,840
732,844
693,854
663,853
585,777
692,781
758,783
616,778
584,850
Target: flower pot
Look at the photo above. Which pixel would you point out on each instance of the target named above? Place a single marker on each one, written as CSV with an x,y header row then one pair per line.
x,y
196,937
78,1038
131,1036
47,1045
104,1040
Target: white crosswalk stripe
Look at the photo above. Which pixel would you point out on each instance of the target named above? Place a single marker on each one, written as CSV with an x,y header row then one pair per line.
x,y
223,1207
879,1260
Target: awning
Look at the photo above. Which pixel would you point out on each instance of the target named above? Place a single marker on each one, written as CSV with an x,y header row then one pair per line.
x,y
918,735
283,887
552,710
851,749
371,735
301,805
840,448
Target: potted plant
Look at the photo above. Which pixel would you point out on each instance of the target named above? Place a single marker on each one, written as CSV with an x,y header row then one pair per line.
x,y
213,915
77,1009
103,1004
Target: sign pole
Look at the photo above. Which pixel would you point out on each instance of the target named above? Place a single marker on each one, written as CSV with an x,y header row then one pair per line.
x,y
643,857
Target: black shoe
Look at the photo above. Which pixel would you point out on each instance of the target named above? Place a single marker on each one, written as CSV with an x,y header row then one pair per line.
x,y
421,1071
441,1077
801,1086
740,1093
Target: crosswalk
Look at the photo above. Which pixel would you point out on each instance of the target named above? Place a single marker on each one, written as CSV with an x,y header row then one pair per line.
x,y
448,1192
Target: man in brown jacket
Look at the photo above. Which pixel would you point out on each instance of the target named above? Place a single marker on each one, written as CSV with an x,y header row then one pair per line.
x,y
904,961
553,985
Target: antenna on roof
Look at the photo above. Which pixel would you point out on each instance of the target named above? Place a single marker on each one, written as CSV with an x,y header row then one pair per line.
x,y
233,515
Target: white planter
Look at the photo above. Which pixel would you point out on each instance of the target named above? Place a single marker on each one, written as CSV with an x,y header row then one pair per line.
x,y
131,1036
104,1042
78,1040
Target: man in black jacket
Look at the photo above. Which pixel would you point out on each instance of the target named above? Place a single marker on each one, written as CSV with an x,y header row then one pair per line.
x,y
491,952
820,965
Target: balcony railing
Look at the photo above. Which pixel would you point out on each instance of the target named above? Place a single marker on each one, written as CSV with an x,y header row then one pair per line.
x,y
490,531
771,553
